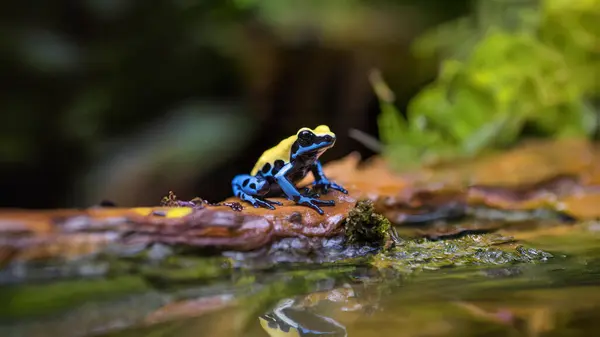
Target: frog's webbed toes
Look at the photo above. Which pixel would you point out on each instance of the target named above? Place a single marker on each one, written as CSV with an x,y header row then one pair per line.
x,y
273,202
324,185
314,203
255,201
262,203
337,187
325,202
315,207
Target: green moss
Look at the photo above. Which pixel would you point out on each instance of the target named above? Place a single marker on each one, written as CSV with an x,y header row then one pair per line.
x,y
38,299
177,269
168,264
483,250
364,226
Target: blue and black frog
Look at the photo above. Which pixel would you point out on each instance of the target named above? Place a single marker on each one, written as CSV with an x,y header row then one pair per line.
x,y
281,167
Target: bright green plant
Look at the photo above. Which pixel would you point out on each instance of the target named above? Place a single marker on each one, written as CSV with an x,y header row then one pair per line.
x,y
535,66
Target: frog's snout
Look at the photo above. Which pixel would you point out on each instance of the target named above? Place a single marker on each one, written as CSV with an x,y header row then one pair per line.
x,y
329,138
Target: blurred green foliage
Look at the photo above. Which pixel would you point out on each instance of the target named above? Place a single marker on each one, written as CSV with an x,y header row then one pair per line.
x,y
515,67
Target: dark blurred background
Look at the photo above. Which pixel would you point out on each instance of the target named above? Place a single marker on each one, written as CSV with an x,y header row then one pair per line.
x,y
125,100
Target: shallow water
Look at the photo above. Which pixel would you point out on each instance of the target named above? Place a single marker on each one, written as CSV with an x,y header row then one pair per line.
x,y
560,297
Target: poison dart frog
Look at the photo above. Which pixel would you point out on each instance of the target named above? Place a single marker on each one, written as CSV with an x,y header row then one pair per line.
x,y
281,167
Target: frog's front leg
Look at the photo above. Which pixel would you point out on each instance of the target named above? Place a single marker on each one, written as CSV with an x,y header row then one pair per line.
x,y
321,180
252,189
292,193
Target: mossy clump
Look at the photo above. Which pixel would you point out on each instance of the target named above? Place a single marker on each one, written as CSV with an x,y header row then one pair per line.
x,y
164,264
27,300
364,226
183,269
472,250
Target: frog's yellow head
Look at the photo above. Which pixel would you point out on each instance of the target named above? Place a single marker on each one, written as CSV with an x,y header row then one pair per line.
x,y
306,143
312,142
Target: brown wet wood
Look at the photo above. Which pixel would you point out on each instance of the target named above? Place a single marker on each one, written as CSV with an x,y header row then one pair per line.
x,y
561,176
30,235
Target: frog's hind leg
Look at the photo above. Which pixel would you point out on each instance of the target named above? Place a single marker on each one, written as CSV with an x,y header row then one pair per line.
x,y
252,189
293,194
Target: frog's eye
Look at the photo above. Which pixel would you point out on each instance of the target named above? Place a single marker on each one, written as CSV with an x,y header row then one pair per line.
x,y
305,137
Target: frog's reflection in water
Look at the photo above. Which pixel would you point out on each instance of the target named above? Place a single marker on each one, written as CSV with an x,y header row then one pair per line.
x,y
287,320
